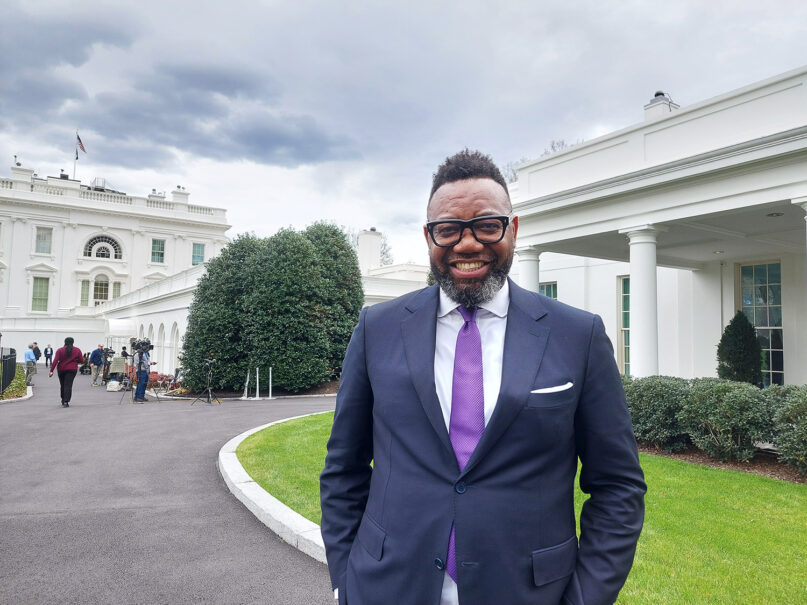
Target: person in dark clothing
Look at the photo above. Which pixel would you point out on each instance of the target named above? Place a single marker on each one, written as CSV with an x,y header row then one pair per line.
x,y
37,352
66,363
48,355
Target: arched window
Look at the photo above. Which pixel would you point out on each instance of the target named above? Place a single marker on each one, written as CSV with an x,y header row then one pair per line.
x,y
100,245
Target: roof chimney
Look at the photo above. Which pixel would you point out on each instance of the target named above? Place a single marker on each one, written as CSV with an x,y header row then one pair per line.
x,y
660,106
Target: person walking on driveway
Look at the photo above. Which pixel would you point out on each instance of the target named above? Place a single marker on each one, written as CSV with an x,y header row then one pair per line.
x,y
66,362
48,356
96,364
37,352
30,365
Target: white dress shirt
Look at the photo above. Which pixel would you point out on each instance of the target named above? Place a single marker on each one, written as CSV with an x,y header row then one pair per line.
x,y
491,318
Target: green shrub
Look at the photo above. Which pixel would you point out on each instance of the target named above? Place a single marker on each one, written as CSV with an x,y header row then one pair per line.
x,y
654,403
790,428
724,418
776,396
285,328
739,354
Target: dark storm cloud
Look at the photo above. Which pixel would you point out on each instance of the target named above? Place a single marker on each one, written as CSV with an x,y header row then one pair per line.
x,y
38,49
27,97
212,112
48,39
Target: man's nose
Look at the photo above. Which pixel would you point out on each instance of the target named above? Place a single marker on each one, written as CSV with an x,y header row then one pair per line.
x,y
467,241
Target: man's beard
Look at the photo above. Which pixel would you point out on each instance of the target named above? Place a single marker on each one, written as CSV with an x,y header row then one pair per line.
x,y
472,295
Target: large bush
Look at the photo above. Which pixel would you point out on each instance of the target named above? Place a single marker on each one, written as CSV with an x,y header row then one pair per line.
x,y
215,318
288,302
739,354
725,419
341,289
285,326
790,421
654,404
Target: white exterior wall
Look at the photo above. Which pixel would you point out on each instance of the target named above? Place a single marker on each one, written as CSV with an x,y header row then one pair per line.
x,y
76,213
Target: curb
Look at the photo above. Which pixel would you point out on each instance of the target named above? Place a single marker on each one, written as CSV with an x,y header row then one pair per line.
x,y
289,525
29,392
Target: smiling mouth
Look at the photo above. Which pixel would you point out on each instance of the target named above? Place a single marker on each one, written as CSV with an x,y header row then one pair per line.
x,y
469,266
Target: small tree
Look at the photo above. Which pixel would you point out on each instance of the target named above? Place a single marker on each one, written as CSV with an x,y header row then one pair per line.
x,y
739,354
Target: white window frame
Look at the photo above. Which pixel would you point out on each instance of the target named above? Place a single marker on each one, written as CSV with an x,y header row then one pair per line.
x,y
40,275
44,228
164,251
623,333
193,255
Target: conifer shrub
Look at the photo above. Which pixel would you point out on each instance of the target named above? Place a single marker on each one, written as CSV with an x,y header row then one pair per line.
x,y
739,354
654,404
790,429
725,419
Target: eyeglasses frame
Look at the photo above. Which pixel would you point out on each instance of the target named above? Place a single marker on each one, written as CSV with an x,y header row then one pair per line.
x,y
504,218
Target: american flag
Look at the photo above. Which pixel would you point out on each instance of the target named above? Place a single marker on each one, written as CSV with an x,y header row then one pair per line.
x,y
80,144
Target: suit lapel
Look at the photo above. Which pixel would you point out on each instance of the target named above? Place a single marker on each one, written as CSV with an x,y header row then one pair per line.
x,y
418,331
524,345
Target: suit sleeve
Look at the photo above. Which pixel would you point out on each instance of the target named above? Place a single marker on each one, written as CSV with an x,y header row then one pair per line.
x,y
612,517
345,480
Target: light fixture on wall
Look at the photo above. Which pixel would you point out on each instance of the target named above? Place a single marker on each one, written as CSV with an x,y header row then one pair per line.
x,y
774,214
718,252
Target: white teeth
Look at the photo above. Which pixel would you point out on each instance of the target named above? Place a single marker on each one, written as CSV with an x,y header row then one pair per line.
x,y
468,266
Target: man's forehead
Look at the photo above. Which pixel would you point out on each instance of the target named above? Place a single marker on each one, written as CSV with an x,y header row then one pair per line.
x,y
478,191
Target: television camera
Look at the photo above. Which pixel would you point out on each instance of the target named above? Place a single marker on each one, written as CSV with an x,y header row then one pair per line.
x,y
141,345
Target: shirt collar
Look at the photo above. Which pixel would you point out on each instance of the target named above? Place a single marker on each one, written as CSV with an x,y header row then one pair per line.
x,y
497,305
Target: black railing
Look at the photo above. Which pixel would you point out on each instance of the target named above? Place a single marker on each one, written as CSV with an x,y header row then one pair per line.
x,y
8,361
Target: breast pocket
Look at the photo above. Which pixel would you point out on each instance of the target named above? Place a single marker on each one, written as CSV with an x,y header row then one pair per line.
x,y
552,396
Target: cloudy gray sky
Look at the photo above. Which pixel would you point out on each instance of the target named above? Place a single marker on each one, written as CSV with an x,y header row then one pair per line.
x,y
287,112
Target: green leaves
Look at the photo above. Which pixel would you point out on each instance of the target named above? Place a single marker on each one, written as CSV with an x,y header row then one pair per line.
x,y
289,302
739,354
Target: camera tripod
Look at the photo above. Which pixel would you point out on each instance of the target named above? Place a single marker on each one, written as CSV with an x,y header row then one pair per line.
x,y
207,394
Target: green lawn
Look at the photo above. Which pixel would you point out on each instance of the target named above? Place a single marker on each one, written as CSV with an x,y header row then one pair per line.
x,y
710,536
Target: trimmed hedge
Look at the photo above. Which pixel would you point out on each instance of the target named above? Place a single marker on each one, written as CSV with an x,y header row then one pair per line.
x,y
723,418
790,422
654,404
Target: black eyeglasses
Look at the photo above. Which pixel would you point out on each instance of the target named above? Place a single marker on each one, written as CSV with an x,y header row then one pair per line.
x,y
485,229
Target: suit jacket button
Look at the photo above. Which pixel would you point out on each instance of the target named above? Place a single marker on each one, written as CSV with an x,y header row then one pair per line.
x,y
438,563
460,487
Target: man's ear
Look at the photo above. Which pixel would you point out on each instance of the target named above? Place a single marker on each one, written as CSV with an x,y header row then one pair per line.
x,y
426,235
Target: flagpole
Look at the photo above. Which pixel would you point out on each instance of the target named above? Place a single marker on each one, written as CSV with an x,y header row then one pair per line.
x,y
75,159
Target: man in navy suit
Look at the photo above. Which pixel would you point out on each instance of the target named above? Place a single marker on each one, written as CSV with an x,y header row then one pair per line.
x,y
474,399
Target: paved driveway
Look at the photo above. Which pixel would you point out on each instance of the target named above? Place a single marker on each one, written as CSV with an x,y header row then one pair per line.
x,y
108,503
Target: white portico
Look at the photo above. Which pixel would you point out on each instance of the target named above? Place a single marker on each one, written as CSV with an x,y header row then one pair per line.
x,y
676,223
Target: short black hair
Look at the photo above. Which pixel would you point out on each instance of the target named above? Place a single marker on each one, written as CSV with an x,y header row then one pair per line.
x,y
467,164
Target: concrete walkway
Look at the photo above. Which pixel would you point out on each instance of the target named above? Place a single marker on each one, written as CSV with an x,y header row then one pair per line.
x,y
104,502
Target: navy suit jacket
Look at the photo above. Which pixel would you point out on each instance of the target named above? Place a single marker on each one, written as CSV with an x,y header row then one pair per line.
x,y
386,526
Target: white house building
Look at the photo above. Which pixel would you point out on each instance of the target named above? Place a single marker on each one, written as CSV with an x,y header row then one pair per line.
x,y
665,229
668,227
67,248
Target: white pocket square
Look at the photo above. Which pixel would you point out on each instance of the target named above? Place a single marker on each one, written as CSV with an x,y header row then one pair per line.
x,y
560,387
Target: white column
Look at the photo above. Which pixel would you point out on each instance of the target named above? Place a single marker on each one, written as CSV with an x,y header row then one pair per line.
x,y
528,267
643,301
801,201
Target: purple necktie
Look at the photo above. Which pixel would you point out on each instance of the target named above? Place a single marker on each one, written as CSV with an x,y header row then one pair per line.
x,y
467,405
